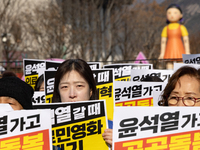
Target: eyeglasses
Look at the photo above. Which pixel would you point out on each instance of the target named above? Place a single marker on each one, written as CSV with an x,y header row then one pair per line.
x,y
187,100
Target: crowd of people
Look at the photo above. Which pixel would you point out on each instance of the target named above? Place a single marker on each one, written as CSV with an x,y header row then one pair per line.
x,y
74,82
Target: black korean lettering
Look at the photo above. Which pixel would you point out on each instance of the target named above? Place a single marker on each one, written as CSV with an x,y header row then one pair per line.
x,y
126,92
136,78
33,80
79,131
128,127
155,74
20,122
43,99
143,77
148,89
186,62
3,125
188,117
39,99
106,91
49,100
198,60
94,127
151,125
169,121
157,88
165,77
74,145
53,136
192,61
28,80
117,94
136,91
63,134
35,121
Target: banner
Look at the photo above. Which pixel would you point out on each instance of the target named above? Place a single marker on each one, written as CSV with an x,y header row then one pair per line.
x,y
156,128
25,129
79,125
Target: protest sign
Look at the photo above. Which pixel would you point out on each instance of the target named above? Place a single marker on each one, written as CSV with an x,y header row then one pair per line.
x,y
94,65
151,75
49,79
52,65
128,93
78,125
38,97
104,83
25,129
156,128
33,69
122,72
191,58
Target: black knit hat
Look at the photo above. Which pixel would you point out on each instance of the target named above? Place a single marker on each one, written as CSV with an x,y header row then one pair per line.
x,y
17,89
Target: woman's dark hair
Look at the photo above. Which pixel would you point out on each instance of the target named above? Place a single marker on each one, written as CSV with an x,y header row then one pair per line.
x,y
177,7
39,82
186,70
82,68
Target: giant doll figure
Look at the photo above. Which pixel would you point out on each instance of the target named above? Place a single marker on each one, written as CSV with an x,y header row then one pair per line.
x,y
172,45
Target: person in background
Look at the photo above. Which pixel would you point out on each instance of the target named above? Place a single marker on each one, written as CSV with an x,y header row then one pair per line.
x,y
74,82
39,85
183,88
17,93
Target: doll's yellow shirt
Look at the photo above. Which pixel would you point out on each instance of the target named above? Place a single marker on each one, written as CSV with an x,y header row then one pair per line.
x,y
172,26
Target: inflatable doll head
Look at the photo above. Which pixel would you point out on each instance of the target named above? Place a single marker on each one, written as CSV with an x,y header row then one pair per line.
x,y
174,14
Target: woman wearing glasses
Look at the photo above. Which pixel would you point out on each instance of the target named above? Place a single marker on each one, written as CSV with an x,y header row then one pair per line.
x,y
183,88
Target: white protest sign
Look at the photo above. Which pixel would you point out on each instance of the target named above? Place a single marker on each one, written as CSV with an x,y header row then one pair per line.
x,y
26,129
151,75
156,128
135,93
191,58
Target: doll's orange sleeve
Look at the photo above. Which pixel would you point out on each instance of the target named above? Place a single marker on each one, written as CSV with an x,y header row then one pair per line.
x,y
164,32
184,31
